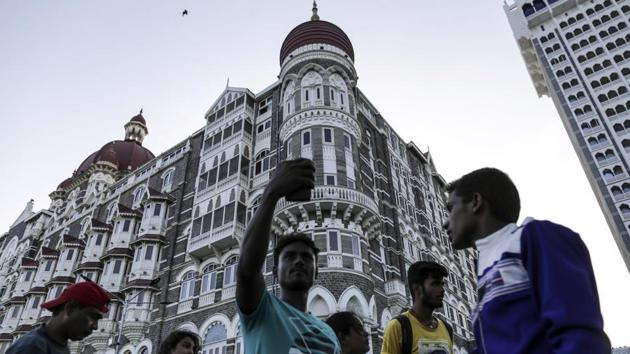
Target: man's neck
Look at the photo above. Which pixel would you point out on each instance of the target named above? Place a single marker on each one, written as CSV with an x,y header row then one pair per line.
x,y
295,298
54,330
489,227
422,313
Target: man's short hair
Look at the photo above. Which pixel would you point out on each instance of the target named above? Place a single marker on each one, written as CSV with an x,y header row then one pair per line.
x,y
495,186
342,322
419,272
284,241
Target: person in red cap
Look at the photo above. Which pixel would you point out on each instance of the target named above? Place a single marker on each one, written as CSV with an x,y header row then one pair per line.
x,y
75,314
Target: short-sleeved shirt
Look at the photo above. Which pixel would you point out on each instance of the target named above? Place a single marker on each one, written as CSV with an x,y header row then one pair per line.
x,y
37,342
425,340
279,328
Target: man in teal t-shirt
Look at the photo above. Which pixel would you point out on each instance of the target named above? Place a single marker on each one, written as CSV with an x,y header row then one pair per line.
x,y
280,325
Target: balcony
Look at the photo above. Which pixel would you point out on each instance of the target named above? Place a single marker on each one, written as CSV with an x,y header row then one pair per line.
x,y
185,306
223,237
207,299
346,203
228,292
334,261
137,321
260,179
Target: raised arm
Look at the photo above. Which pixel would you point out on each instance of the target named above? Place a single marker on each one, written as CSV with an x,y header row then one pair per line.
x,y
289,177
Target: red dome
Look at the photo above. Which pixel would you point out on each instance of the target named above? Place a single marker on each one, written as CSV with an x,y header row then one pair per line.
x,y
108,155
139,118
315,32
65,183
127,155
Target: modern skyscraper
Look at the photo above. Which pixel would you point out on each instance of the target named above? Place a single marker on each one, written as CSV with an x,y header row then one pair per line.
x,y
578,53
162,232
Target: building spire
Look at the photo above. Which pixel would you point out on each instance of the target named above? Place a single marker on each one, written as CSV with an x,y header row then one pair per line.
x,y
315,17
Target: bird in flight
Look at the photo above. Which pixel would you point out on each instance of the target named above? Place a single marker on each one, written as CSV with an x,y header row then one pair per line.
x,y
185,12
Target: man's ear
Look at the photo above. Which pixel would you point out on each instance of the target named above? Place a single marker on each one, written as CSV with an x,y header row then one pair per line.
x,y
477,202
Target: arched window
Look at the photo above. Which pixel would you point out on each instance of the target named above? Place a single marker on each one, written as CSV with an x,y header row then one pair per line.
x,y
111,209
167,180
616,191
338,92
209,279
288,97
214,341
138,195
608,175
187,290
229,272
263,162
311,88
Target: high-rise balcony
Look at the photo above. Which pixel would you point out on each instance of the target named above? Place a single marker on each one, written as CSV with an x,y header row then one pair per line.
x,y
222,237
344,203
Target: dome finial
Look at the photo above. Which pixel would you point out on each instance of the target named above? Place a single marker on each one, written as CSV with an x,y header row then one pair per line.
x,y
315,17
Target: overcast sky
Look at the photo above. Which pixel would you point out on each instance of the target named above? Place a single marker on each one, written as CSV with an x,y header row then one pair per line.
x,y
445,74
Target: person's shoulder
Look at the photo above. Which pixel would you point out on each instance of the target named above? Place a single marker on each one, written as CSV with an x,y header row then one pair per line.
x,y
32,342
394,323
545,228
531,223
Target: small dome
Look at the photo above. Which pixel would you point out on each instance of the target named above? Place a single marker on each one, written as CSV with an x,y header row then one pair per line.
x,y
139,118
316,32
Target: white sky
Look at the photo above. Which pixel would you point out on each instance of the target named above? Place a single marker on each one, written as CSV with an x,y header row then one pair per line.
x,y
444,74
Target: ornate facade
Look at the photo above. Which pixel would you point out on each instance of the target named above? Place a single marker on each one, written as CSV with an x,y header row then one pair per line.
x,y
162,233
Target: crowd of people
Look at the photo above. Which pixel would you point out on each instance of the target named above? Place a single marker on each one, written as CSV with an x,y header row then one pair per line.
x,y
536,288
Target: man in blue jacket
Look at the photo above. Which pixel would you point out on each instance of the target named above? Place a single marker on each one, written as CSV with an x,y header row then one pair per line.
x,y
536,288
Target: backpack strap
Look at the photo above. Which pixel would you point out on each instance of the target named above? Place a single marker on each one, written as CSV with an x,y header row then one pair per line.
x,y
449,328
407,334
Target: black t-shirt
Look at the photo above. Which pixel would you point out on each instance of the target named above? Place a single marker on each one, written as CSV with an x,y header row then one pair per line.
x,y
37,342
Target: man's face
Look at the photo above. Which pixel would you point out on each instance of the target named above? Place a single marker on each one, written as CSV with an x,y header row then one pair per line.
x,y
81,321
296,267
461,223
431,294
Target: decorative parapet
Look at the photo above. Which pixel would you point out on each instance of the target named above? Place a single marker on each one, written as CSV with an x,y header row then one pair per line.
x,y
318,117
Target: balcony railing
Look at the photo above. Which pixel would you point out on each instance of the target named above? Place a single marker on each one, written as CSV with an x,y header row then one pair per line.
x,y
334,193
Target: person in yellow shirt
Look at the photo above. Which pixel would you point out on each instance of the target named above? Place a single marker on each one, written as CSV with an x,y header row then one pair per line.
x,y
418,331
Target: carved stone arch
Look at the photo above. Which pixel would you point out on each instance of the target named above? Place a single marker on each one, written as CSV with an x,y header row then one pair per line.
x,y
289,78
310,67
218,317
189,326
386,316
317,296
146,343
186,270
373,310
208,261
234,330
353,299
339,70
229,254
